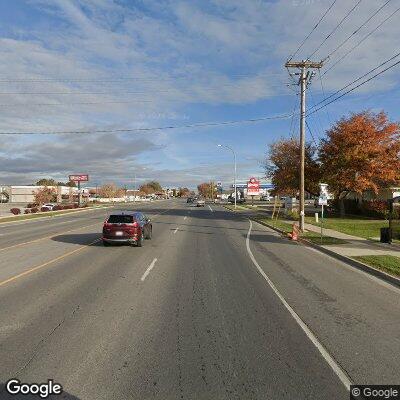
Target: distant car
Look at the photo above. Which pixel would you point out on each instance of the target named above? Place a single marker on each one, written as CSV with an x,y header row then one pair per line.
x,y
264,198
130,227
189,200
200,203
231,199
48,206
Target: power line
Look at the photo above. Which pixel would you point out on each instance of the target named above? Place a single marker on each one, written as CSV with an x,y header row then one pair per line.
x,y
355,87
122,79
319,125
323,94
197,125
175,90
335,29
362,40
356,31
312,30
358,79
309,130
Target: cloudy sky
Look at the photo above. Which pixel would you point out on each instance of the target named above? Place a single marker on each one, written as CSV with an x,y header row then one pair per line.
x,y
93,65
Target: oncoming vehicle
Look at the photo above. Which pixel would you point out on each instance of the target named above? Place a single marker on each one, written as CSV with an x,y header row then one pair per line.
x,y
130,227
189,200
200,203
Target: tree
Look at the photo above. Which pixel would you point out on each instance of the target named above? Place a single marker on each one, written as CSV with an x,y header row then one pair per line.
x,y
361,153
182,192
108,190
283,167
46,182
45,195
147,189
204,189
155,185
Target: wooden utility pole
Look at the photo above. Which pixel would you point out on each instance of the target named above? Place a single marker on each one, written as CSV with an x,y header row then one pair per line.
x,y
304,80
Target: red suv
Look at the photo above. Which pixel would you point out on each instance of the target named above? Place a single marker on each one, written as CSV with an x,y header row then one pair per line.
x,y
127,227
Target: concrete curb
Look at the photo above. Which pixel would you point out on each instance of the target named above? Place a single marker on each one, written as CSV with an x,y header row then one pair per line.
x,y
350,261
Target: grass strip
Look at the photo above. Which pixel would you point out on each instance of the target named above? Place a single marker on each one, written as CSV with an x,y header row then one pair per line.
x,y
387,263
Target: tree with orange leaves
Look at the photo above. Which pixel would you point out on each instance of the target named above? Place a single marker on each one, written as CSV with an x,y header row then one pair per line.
x,y
283,167
361,153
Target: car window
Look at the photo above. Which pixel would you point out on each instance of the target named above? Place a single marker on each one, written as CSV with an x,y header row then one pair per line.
x,y
120,219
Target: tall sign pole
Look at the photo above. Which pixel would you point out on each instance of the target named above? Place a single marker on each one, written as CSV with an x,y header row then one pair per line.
x,y
304,80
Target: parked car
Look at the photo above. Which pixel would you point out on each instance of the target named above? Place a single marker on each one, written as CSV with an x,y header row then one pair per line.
x,y
264,197
48,206
239,200
130,227
189,200
200,203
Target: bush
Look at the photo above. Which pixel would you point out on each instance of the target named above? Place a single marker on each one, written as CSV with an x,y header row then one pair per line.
x,y
57,208
27,211
376,208
34,210
293,215
76,205
32,205
16,211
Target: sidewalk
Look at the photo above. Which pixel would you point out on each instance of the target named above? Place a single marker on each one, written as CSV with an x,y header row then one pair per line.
x,y
356,246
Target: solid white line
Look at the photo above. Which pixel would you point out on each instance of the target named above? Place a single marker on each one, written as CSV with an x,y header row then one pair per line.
x,y
184,217
150,267
328,358
210,208
176,230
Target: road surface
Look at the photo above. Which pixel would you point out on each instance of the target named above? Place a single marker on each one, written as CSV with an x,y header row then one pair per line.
x,y
213,307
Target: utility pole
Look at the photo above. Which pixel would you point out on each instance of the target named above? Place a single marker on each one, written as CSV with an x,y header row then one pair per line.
x,y
304,81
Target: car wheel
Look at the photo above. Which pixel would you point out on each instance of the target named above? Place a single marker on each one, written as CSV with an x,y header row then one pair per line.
x,y
150,234
139,243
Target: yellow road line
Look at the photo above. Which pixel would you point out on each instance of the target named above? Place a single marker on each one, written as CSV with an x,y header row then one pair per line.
x,y
13,278
62,232
46,237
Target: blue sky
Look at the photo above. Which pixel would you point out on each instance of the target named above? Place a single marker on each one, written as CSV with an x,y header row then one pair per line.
x,y
103,64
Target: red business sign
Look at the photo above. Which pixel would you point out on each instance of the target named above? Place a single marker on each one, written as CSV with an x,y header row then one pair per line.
x,y
253,187
79,178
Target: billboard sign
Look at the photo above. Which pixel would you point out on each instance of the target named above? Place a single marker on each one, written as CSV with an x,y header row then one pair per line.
x,y
253,187
79,178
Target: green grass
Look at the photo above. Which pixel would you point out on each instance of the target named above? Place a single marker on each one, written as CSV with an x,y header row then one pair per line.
x,y
311,236
326,240
238,207
365,228
283,226
390,264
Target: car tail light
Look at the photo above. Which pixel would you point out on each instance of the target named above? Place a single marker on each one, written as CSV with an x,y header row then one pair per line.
x,y
135,224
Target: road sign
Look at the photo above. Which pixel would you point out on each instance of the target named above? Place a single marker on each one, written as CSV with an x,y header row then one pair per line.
x,y
253,187
79,178
323,200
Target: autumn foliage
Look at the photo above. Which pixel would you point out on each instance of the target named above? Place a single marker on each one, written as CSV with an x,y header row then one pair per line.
x,y
283,167
361,153
45,195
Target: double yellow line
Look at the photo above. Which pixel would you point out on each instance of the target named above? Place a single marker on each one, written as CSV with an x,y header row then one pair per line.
x,y
29,271
46,237
37,267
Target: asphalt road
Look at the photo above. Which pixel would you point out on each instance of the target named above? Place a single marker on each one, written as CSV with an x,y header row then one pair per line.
x,y
213,307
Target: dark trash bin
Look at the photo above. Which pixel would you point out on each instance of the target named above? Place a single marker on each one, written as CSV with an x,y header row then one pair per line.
x,y
386,235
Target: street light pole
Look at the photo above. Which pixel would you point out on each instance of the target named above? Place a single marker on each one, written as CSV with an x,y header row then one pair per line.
x,y
234,162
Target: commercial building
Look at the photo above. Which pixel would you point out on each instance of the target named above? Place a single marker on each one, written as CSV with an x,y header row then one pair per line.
x,y
26,194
